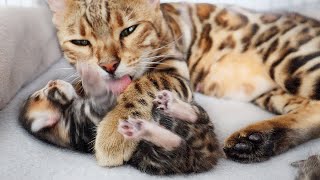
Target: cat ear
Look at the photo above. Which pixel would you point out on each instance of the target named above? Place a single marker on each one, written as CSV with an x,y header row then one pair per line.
x,y
57,7
44,120
154,3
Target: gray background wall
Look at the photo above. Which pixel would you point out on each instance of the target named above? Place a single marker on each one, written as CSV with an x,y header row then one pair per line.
x,y
254,4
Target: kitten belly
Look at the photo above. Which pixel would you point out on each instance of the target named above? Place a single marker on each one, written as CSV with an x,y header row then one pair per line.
x,y
237,76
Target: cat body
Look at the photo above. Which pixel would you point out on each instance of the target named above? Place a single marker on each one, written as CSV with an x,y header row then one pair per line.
x,y
271,59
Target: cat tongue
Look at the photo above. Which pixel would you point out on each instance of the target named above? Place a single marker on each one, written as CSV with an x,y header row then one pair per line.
x,y
117,86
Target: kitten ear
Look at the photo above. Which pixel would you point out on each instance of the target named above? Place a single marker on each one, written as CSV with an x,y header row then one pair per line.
x,y
44,120
57,7
298,164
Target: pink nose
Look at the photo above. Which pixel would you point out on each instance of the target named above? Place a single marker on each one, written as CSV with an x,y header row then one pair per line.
x,y
110,67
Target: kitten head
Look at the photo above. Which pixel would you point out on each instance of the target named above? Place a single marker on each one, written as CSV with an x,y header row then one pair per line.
x,y
309,169
118,37
42,112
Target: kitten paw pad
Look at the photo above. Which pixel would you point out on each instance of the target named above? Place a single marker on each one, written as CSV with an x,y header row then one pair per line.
x,y
163,100
132,129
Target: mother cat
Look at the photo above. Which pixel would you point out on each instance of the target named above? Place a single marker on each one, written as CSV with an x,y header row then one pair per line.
x,y
272,60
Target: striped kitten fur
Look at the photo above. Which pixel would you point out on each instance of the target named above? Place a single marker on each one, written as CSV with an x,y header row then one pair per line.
x,y
180,138
57,115
308,169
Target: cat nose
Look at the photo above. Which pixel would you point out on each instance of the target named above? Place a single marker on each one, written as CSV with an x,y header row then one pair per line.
x,y
110,67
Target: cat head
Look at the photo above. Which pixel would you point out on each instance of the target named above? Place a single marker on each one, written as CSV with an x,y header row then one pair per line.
x,y
118,37
42,112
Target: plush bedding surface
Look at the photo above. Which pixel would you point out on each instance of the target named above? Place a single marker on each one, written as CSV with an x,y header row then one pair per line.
x,y
23,157
28,46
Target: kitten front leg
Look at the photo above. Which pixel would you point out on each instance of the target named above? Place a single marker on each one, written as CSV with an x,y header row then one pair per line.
x,y
92,82
173,106
138,129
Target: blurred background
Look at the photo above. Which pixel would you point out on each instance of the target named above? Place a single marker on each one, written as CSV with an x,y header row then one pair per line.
x,y
253,4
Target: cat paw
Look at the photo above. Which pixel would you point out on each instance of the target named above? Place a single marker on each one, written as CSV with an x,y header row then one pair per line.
x,y
132,129
252,145
111,149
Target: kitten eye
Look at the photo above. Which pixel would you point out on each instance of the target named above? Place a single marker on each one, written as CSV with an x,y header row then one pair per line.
x,y
126,32
80,42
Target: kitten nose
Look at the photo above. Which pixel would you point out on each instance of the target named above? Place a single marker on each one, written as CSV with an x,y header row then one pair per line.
x,y
52,83
110,67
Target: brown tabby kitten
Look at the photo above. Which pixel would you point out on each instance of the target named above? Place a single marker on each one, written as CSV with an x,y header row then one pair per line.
x,y
228,52
180,139
309,169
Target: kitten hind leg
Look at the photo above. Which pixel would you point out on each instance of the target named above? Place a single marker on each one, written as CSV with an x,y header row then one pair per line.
x,y
175,107
138,129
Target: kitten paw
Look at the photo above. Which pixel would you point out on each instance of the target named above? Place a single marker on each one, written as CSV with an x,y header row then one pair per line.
x,y
93,83
133,129
164,100
169,104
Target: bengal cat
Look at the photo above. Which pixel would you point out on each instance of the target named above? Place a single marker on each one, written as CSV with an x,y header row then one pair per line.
x,y
271,60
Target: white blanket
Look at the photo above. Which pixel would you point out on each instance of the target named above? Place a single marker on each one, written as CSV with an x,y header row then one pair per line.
x,y
23,157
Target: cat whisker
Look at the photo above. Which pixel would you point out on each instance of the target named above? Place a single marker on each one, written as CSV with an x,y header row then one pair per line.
x,y
146,67
72,77
169,45
69,77
147,59
65,68
154,63
75,80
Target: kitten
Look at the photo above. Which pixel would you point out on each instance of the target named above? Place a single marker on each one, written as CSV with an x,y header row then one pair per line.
x,y
58,115
309,169
179,139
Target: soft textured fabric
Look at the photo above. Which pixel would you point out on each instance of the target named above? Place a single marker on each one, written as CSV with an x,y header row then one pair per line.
x,y
24,157
28,46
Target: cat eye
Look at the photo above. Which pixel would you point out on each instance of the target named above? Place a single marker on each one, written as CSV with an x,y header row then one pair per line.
x,y
80,42
126,32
